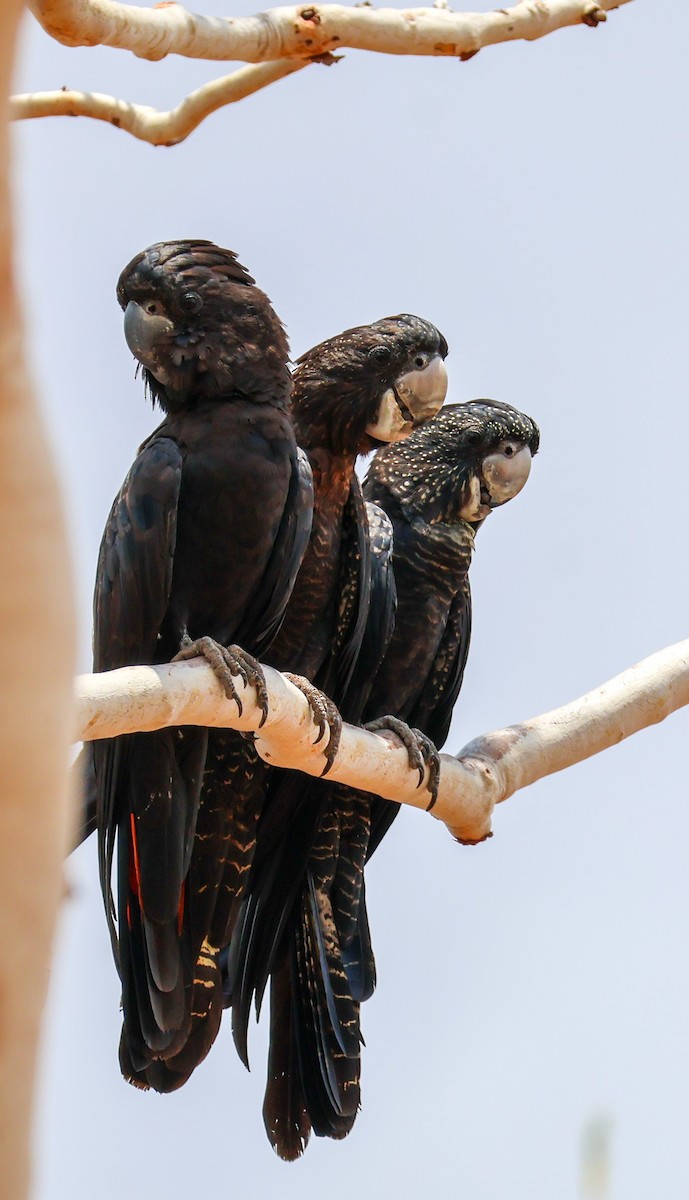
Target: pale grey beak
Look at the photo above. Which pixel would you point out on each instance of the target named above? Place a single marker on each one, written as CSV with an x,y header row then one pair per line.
x,y
143,332
414,398
505,476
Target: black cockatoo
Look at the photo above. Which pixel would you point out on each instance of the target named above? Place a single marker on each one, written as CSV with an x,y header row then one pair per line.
x,y
350,393
436,488
204,540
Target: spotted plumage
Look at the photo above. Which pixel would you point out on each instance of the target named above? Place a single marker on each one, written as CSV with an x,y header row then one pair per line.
x,y
434,490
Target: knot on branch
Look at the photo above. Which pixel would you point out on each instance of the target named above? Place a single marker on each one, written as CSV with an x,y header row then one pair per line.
x,y
593,15
473,842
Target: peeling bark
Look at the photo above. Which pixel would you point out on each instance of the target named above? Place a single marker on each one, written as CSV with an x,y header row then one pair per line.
x,y
307,29
282,39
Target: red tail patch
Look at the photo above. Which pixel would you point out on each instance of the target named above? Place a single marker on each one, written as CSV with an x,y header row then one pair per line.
x,y
134,871
180,909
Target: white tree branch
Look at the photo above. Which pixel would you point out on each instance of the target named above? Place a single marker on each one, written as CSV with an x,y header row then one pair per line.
x,y
36,643
283,40
488,770
148,124
306,29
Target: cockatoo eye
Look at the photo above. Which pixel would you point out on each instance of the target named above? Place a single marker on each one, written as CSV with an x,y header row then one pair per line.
x,y
191,302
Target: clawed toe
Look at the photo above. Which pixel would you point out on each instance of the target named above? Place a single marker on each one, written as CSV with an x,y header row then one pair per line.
x,y
407,736
432,761
252,673
225,662
325,716
420,749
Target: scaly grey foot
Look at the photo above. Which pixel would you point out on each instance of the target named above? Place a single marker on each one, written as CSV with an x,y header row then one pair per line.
x,y
225,662
325,715
420,750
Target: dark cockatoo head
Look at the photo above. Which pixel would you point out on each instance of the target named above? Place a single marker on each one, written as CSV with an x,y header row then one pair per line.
x,y
468,460
369,385
200,328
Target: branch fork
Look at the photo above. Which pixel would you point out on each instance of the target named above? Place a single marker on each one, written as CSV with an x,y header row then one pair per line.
x,y
279,42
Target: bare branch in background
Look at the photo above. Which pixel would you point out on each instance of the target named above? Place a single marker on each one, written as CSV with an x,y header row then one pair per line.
x,y
307,29
147,124
292,36
487,771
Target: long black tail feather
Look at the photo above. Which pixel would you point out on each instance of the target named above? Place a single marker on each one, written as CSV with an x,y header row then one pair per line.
x,y
322,970
286,832
284,1109
329,1077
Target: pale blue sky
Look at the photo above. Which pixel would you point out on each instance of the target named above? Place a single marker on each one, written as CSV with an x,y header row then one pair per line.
x,y
533,203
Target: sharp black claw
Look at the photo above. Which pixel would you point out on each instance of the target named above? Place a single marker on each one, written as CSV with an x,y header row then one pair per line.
x,y
252,674
325,716
322,725
433,785
333,744
226,661
420,751
432,761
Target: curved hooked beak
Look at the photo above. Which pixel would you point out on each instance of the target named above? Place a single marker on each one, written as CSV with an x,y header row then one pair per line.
x,y
505,477
502,478
143,332
414,398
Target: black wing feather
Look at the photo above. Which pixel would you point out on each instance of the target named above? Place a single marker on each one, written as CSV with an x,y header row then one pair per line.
x,y
135,563
269,602
433,710
378,605
225,832
147,784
